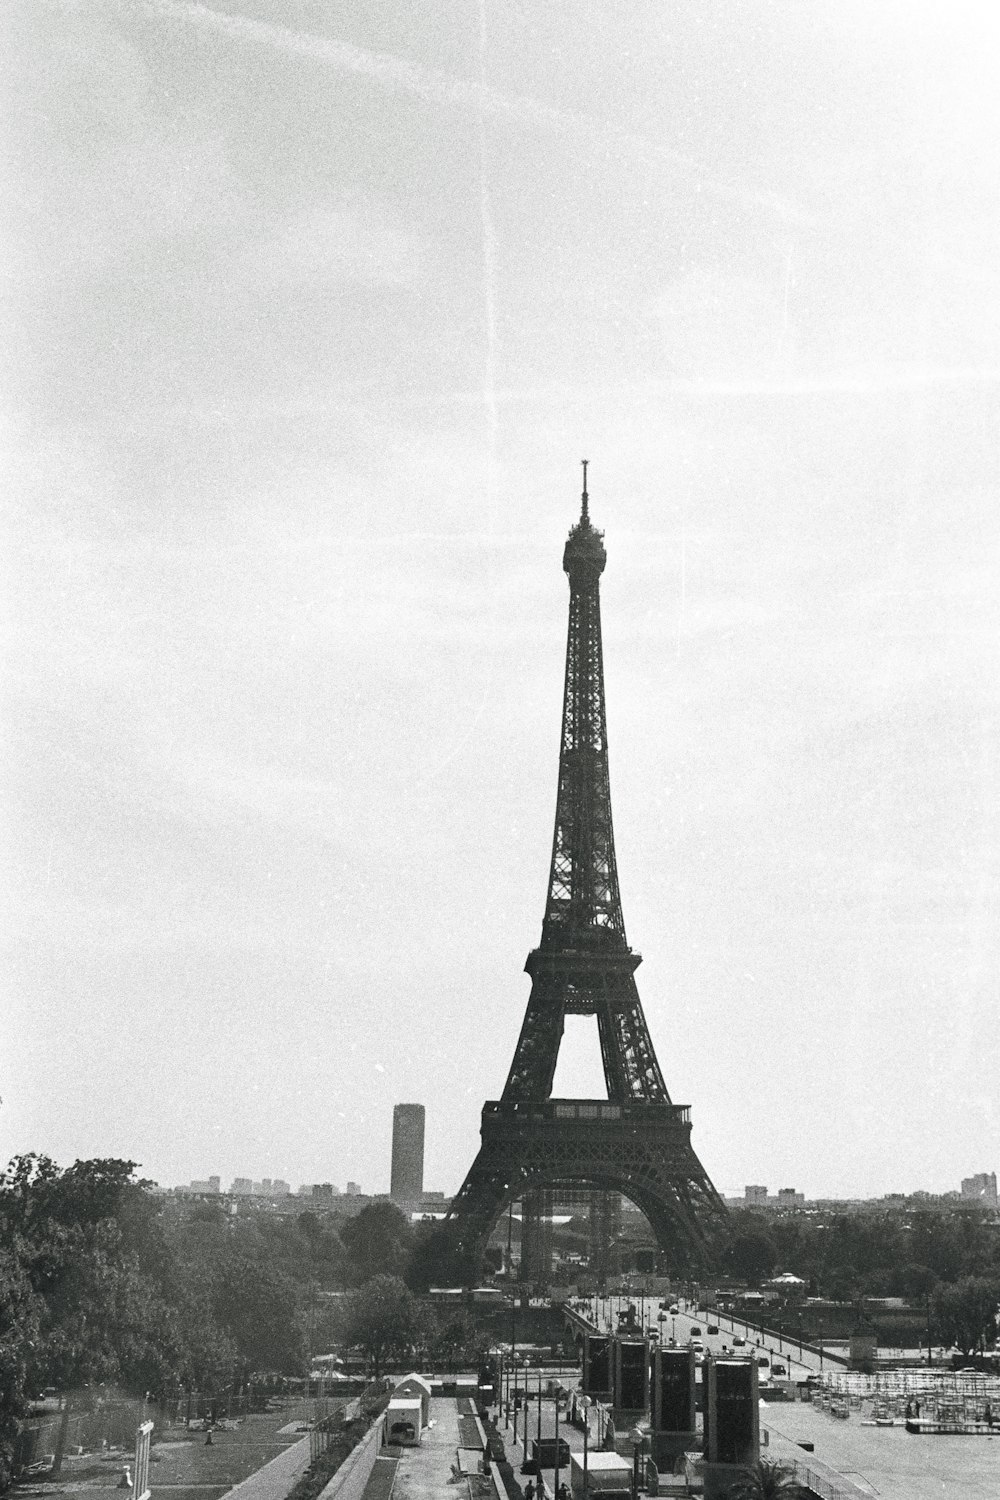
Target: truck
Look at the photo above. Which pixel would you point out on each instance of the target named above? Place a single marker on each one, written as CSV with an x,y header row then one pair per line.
x,y
404,1422
607,1474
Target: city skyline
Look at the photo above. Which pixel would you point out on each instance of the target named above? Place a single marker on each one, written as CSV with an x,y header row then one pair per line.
x,y
311,317
979,1186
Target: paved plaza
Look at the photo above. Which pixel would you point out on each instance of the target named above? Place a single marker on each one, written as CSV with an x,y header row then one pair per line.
x,y
887,1461
425,1473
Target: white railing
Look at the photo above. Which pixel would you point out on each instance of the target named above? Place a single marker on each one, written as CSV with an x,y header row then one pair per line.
x,y
140,1472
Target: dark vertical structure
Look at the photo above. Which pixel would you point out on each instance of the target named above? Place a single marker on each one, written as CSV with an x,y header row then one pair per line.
x,y
407,1181
605,1233
732,1411
637,1142
537,1212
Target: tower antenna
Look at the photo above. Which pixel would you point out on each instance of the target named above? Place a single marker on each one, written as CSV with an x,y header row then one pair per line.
x,y
584,516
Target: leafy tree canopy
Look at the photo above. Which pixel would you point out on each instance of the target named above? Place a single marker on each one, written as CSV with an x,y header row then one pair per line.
x,y
437,1259
378,1241
965,1312
381,1318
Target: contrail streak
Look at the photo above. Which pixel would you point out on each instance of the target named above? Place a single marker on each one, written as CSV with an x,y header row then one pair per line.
x,y
860,383
489,280
448,91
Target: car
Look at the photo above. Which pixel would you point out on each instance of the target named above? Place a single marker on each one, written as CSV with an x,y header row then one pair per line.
x,y
713,1327
778,1368
738,1341
695,1330
674,1308
697,1346
763,1360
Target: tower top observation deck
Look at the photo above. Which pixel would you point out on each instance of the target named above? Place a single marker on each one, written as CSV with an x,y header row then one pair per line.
x,y
584,556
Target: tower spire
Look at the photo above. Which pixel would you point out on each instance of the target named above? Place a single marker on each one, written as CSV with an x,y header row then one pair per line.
x,y
584,513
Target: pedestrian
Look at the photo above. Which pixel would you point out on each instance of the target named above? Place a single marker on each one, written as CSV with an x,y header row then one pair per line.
x,y
529,1490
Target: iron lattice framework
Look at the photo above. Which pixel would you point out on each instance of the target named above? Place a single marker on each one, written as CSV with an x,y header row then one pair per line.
x,y
637,1142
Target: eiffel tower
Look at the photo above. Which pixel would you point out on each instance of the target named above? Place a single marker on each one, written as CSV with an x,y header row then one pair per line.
x,y
636,1142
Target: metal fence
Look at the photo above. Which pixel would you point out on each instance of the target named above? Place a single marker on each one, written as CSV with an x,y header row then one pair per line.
x,y
825,1487
326,1431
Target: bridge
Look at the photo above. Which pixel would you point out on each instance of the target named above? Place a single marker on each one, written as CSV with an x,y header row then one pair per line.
x,y
799,1358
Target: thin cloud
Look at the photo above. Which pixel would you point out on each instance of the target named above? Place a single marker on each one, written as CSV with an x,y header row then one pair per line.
x,y
866,382
444,90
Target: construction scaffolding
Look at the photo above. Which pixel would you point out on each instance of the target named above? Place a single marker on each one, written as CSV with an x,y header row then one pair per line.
x,y
922,1400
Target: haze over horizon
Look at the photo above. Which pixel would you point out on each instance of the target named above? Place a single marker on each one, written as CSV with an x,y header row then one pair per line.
x,y
311,312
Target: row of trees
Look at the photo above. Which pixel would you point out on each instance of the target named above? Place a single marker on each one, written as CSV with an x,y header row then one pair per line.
x,y
100,1286
847,1256
947,1262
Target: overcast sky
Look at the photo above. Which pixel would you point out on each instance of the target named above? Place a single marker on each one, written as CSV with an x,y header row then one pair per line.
x,y
311,311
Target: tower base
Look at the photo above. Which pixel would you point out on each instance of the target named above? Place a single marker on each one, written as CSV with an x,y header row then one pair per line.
x,y
640,1149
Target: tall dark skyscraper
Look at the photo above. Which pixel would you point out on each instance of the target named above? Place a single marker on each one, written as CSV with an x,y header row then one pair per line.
x,y
407,1184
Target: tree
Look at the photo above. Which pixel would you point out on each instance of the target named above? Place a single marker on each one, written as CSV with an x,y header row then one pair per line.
x,y
455,1340
767,1480
437,1259
915,1281
749,1251
82,1286
965,1313
378,1241
20,1312
381,1318
257,1304
89,1245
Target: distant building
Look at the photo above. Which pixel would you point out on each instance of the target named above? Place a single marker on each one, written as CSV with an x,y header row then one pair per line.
x,y
272,1187
754,1193
982,1186
792,1288
209,1185
322,1192
353,1190
789,1198
407,1185
242,1186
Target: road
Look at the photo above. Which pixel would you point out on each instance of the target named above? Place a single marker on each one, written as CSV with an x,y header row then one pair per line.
x,y
798,1363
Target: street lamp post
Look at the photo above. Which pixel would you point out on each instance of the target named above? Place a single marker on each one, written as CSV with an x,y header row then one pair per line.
x,y
555,1477
637,1439
586,1444
513,1304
